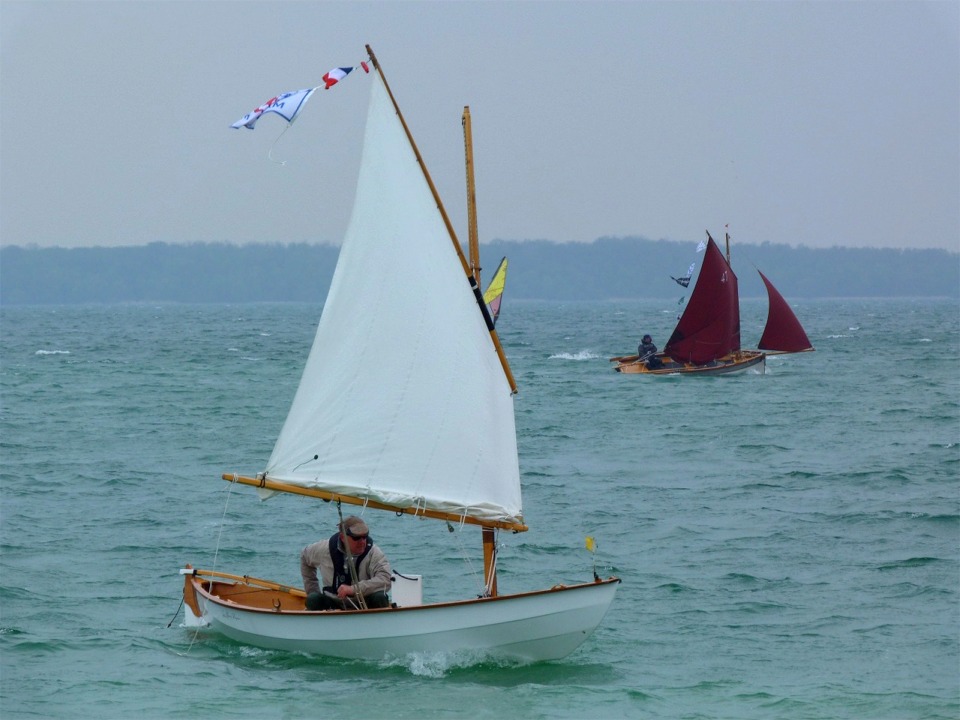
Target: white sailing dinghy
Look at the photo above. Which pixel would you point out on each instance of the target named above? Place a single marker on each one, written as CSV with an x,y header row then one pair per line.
x,y
427,431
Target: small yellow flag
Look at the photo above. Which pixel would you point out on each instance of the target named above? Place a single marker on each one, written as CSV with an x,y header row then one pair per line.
x,y
591,545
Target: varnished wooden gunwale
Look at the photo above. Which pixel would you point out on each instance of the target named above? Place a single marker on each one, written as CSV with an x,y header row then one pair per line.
x,y
743,359
263,600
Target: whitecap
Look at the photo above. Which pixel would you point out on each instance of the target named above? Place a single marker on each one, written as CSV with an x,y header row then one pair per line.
x,y
438,664
582,355
52,352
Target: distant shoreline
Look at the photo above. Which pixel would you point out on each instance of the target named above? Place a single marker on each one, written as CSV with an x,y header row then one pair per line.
x,y
610,268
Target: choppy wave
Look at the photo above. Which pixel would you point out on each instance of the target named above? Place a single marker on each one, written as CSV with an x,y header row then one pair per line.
x,y
582,355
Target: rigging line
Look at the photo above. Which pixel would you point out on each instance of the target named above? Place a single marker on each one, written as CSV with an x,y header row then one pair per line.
x,y
270,154
193,639
182,600
216,553
477,577
350,562
223,517
315,457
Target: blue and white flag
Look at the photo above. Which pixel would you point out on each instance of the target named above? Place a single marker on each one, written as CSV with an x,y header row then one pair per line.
x,y
288,106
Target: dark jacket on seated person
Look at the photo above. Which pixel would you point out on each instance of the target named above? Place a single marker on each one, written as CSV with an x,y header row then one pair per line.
x,y
647,351
374,575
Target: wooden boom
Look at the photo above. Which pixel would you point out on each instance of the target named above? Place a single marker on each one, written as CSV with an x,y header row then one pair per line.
x,y
351,500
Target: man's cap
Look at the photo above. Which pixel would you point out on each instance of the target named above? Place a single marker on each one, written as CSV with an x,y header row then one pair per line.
x,y
354,526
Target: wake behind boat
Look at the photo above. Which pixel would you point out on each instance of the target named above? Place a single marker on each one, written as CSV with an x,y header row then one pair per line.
x,y
706,340
427,433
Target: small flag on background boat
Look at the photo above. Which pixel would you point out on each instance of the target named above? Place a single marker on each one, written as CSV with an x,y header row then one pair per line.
x,y
334,76
288,106
685,281
591,545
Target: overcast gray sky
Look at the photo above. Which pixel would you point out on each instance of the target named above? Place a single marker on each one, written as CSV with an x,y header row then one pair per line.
x,y
801,123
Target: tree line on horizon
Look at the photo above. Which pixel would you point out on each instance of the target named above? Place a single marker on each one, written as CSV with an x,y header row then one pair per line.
x,y
609,268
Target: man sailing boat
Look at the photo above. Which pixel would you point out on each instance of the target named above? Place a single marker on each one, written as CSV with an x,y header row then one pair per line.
x,y
647,352
354,571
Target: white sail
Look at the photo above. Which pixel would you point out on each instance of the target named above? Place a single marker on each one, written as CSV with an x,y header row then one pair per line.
x,y
403,399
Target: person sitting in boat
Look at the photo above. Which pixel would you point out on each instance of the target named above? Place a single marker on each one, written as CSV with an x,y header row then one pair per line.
x,y
343,588
647,352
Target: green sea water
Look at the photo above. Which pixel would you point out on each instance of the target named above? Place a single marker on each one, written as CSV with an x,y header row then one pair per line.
x,y
789,543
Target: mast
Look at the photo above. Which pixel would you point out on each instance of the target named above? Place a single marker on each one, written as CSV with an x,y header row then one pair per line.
x,y
728,248
446,221
473,235
490,561
489,536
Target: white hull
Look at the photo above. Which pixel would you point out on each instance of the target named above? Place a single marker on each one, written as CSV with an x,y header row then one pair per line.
x,y
545,625
431,433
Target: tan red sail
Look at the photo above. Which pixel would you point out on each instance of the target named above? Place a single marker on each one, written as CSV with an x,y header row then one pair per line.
x,y
783,332
709,328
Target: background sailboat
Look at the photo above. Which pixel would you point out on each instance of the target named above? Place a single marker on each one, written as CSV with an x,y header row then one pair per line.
x,y
706,340
427,431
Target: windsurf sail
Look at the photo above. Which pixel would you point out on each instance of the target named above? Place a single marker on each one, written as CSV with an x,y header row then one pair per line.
x,y
494,292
